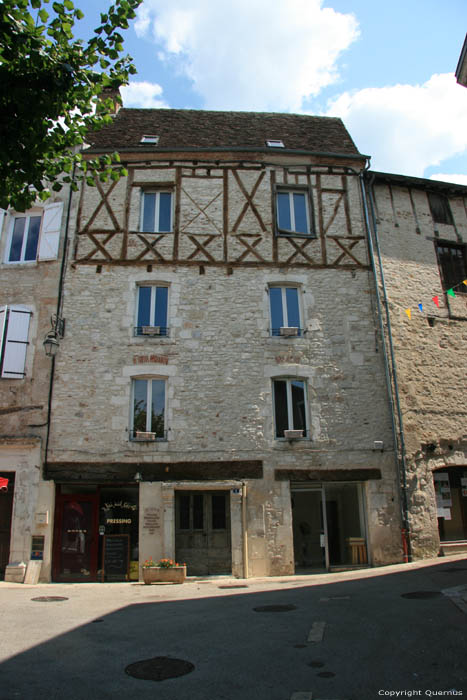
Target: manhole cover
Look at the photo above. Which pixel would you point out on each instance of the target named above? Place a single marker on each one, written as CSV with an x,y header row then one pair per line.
x,y
316,664
49,598
299,646
275,608
159,668
239,585
326,674
422,594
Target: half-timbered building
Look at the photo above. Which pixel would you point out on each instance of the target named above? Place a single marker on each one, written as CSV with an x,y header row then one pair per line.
x,y
220,396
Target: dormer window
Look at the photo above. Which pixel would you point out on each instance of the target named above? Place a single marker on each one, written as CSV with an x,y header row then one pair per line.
x,y
150,138
275,143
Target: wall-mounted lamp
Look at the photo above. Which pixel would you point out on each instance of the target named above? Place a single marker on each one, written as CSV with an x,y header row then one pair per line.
x,y
57,331
137,477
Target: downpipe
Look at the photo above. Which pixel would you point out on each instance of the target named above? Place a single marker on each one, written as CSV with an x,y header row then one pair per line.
x,y
389,366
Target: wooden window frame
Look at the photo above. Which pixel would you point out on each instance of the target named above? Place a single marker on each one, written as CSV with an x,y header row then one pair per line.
x,y
148,379
154,287
284,288
443,200
288,380
157,191
462,289
291,190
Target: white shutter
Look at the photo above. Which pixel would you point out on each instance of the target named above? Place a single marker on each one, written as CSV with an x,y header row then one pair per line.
x,y
2,219
50,234
3,315
15,342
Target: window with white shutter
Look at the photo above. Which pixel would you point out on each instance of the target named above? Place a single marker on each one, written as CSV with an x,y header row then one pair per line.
x,y
2,220
35,235
14,329
50,232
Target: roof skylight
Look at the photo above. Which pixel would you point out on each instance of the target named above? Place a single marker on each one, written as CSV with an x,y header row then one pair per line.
x,y
275,143
150,138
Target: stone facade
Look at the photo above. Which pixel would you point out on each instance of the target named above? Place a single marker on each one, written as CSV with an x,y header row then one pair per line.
x,y
218,358
29,287
429,346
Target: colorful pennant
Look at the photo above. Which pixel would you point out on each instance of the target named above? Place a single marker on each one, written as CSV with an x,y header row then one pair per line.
x,y
435,299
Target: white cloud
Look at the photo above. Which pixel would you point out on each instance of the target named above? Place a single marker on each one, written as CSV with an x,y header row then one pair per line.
x,y
450,177
142,94
253,55
407,128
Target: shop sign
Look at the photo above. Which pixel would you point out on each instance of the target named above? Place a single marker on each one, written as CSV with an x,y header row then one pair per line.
x,y
110,505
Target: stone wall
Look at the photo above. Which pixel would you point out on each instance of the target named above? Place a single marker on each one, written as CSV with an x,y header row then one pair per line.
x,y
24,402
429,347
219,362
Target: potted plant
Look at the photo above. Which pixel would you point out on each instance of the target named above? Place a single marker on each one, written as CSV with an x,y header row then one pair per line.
x,y
163,571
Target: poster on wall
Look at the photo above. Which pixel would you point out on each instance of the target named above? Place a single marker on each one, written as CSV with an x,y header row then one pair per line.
x,y
443,495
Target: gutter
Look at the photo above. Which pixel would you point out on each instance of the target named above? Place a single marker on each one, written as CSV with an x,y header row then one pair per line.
x,y
225,149
390,368
59,305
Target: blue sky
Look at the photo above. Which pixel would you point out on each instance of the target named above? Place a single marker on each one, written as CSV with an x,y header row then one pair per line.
x,y
387,69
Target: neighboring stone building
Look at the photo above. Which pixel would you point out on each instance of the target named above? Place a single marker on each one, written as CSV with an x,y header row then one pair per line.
x,y
420,244
220,394
31,246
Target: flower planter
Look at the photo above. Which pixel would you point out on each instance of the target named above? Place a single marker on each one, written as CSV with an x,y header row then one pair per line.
x,y
162,574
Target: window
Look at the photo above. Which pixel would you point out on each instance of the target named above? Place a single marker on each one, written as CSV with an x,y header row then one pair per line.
x,y
35,236
156,214
285,311
452,261
152,311
149,138
14,331
24,238
148,419
440,209
293,212
290,411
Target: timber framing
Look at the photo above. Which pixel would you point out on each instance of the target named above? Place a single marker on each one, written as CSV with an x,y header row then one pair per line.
x,y
304,475
111,472
223,215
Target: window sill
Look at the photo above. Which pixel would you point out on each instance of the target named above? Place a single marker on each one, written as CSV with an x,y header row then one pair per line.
x,y
295,234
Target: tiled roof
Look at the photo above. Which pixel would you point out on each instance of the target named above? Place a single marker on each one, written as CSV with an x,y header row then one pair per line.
x,y
180,129
416,182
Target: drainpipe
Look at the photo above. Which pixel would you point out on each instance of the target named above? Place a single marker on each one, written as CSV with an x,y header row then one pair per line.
x,y
59,304
244,533
393,387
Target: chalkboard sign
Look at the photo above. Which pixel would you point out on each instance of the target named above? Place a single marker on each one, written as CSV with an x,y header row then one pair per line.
x,y
115,557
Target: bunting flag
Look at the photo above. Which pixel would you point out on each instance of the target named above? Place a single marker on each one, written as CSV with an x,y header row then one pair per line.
x,y
435,299
3,484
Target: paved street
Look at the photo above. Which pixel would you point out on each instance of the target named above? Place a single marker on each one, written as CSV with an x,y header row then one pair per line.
x,y
348,636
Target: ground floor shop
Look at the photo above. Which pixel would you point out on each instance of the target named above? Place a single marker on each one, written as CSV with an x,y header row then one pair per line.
x,y
255,524
450,484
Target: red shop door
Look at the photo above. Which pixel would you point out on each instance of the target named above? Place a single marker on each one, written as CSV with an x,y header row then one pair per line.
x,y
76,537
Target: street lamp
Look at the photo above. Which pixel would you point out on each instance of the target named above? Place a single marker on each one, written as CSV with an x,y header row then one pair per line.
x,y
57,331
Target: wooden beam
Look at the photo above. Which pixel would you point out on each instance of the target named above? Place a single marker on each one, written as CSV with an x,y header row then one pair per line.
x,y
108,472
